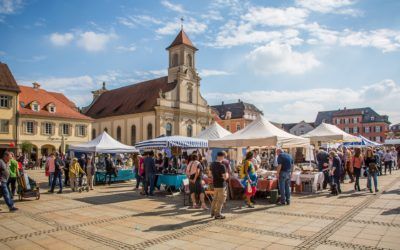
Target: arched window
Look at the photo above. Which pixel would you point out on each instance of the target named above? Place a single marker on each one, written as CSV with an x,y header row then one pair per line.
x,y
175,60
149,131
119,133
133,135
189,130
190,95
93,133
106,129
168,129
189,60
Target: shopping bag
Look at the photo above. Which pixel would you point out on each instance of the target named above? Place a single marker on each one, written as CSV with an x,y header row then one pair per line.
x,y
249,190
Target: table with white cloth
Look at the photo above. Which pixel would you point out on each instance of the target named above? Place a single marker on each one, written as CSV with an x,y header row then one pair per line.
x,y
314,178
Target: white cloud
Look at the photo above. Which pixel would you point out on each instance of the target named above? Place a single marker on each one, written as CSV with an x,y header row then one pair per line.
x,y
384,39
129,48
275,58
212,72
173,6
143,20
191,26
93,42
10,6
213,15
127,21
330,6
58,39
275,16
297,105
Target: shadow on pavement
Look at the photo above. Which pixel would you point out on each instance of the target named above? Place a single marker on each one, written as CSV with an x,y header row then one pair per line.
x,y
391,211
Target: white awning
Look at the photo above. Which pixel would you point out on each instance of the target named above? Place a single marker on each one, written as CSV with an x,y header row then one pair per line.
x,y
260,133
330,133
104,143
173,141
214,131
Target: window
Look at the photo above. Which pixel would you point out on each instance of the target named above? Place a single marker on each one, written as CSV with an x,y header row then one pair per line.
x,y
35,107
5,101
149,131
189,130
228,115
372,118
174,60
29,128
168,129
133,135
228,128
238,127
190,95
346,121
337,121
301,132
355,120
65,129
355,130
189,60
366,129
93,133
378,129
4,126
346,129
48,128
52,109
81,130
119,133
350,130
378,139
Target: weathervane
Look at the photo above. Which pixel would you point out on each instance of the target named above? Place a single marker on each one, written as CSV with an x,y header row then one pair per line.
x,y
182,23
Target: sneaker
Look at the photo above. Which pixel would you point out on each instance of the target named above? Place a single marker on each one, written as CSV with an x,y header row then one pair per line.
x,y
220,217
376,190
280,204
212,215
288,203
13,209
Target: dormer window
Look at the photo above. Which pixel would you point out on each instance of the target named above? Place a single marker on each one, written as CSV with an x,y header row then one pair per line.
x,y
228,115
51,108
35,106
372,118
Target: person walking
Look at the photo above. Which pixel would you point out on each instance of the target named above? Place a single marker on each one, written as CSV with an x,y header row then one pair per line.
x,y
285,169
12,180
150,172
387,159
110,168
335,172
371,162
58,171
248,178
4,175
90,171
75,171
323,165
50,167
394,158
194,171
357,163
220,176
347,156
67,163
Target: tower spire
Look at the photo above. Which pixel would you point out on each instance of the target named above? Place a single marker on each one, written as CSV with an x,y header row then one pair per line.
x,y
182,23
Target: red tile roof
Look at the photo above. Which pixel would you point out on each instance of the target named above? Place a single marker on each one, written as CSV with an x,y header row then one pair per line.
x,y
7,80
182,38
63,105
131,99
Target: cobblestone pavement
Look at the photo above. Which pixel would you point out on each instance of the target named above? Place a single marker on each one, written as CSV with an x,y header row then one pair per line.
x,y
116,217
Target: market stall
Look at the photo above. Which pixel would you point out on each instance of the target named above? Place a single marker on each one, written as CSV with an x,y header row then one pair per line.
x,y
363,143
214,131
105,144
329,133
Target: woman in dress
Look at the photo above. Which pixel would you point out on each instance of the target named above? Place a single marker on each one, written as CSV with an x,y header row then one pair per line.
x,y
248,177
194,171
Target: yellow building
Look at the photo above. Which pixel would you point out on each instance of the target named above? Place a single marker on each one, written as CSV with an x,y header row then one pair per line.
x,y
8,109
49,119
170,105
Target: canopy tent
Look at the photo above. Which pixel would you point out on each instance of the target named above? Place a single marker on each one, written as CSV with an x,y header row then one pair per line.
x,y
260,133
173,141
103,143
215,131
363,143
392,142
330,133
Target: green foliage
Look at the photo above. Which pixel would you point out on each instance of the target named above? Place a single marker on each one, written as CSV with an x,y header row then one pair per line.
x,y
26,147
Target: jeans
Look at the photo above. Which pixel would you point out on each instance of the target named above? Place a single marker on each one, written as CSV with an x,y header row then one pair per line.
x,y
284,186
388,165
11,183
375,177
149,181
66,177
6,195
57,176
51,177
138,180
218,201
109,174
336,180
326,179
357,173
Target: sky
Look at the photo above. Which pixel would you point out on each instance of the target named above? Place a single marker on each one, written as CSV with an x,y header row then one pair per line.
x,y
291,58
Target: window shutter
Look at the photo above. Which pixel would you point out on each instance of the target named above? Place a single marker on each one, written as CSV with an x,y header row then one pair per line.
x,y
85,130
42,127
23,128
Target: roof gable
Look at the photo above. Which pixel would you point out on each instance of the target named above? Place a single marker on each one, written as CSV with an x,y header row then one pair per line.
x,y
7,80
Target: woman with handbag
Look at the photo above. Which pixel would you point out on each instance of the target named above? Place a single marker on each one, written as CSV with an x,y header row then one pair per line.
x,y
194,171
248,178
371,162
357,163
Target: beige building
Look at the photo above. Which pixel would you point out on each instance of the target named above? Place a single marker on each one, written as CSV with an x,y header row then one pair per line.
x,y
8,109
170,105
48,120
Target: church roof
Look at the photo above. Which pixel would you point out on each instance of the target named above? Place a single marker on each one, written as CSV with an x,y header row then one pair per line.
x,y
136,98
182,38
7,80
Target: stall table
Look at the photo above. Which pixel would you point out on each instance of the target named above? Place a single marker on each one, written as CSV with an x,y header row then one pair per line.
x,y
313,178
266,185
171,181
123,175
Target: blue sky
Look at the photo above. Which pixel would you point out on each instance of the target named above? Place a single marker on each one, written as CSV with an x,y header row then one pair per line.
x,y
290,58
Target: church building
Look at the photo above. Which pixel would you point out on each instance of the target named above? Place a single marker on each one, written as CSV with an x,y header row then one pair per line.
x,y
170,105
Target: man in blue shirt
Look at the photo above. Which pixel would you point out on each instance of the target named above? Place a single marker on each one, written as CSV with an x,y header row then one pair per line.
x,y
285,168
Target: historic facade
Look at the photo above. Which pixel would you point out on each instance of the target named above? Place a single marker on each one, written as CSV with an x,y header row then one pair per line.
x,y
170,105
235,116
298,129
9,91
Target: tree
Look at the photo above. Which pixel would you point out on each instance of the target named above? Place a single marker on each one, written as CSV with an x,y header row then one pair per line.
x,y
26,147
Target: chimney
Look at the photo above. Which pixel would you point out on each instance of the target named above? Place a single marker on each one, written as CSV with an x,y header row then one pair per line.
x,y
344,108
222,103
239,101
36,85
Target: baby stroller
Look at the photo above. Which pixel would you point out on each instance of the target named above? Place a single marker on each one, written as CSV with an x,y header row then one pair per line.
x,y
84,185
27,187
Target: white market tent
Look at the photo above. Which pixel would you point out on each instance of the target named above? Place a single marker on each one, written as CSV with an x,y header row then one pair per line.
x,y
362,144
173,141
103,143
214,131
330,133
392,142
260,133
